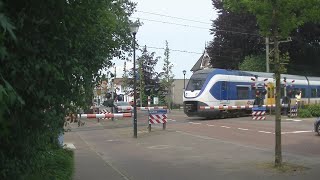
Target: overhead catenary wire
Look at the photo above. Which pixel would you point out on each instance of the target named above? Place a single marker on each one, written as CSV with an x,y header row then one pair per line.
x,y
198,27
173,17
184,19
184,51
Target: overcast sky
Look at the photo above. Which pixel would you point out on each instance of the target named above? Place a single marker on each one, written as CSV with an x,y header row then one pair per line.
x,y
184,38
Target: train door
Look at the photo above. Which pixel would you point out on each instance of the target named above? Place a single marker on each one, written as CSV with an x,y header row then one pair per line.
x,y
270,95
224,93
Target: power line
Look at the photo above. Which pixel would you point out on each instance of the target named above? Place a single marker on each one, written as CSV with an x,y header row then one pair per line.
x,y
191,20
184,51
176,50
186,25
173,17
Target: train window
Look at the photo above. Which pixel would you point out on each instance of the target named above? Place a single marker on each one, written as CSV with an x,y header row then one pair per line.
x,y
253,92
303,92
195,84
313,92
243,92
318,92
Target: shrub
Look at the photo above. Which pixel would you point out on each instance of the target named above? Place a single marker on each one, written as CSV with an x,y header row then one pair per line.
x,y
314,109
304,113
53,164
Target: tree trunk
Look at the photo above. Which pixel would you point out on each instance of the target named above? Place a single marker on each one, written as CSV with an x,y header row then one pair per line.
x,y
278,151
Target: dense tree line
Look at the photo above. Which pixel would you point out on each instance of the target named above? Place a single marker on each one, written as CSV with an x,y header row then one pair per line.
x,y
50,55
236,35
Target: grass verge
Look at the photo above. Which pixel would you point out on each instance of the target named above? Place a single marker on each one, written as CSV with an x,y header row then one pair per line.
x,y
285,168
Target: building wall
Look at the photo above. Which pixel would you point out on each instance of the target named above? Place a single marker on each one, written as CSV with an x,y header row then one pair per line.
x,y
177,91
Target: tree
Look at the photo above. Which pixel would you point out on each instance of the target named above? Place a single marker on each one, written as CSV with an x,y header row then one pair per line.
x,y
125,77
234,39
51,52
147,78
258,63
236,35
167,75
253,63
277,19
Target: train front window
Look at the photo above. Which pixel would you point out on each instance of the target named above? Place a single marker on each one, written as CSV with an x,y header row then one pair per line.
x,y
195,84
196,81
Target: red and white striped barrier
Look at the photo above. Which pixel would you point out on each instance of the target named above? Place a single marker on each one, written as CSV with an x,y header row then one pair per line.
x,y
157,118
144,108
258,118
239,107
94,116
258,113
151,108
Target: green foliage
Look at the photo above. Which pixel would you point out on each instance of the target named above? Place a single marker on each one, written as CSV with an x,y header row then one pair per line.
x,y
304,113
167,75
50,56
148,78
289,14
253,63
314,109
54,164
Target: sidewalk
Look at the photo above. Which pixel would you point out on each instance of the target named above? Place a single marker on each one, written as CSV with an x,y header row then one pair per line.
x,y
113,154
88,164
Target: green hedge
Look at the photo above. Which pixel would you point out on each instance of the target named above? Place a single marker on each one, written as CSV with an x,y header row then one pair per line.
x,y
56,164
304,113
309,111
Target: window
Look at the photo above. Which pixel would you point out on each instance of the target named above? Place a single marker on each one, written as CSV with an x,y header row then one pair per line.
x,y
196,81
195,84
303,92
318,92
243,92
253,92
313,92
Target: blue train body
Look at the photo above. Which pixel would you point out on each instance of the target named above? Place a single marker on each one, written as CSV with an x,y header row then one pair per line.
x,y
220,87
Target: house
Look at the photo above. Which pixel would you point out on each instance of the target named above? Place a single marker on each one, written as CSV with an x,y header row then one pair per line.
x,y
202,63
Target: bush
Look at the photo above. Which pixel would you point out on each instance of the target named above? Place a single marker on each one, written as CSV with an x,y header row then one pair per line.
x,y
55,164
304,113
314,109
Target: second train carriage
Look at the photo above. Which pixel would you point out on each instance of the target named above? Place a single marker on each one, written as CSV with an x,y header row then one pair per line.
x,y
220,87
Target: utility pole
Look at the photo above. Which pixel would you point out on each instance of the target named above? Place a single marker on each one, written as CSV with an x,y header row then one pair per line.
x,y
267,55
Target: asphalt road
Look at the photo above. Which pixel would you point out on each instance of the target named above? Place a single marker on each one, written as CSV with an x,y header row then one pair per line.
x,y
191,148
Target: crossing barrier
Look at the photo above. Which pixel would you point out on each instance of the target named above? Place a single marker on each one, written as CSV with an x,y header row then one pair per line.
x,y
94,116
157,116
239,107
144,108
259,113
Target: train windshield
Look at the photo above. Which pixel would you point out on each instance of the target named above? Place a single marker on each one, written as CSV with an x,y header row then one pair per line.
x,y
196,81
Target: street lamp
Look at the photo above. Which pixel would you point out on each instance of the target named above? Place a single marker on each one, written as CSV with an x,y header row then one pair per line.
x,y
134,29
184,79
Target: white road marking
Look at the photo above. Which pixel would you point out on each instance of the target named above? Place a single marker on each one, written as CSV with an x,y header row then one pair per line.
x,y
222,141
210,125
295,120
159,147
225,127
194,123
295,132
267,132
243,129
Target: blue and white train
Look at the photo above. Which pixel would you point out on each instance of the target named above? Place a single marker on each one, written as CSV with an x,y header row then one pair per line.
x,y
220,87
